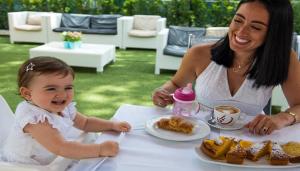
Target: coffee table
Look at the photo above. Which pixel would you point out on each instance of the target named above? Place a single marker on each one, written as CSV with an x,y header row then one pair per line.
x,y
89,55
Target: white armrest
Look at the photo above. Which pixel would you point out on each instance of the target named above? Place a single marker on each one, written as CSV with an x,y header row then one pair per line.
x,y
18,167
161,24
162,39
17,18
54,21
127,24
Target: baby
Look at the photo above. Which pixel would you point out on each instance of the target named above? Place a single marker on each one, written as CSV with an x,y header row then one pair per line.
x,y
46,115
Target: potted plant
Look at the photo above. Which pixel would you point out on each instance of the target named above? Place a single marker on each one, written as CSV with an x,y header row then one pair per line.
x,y
72,39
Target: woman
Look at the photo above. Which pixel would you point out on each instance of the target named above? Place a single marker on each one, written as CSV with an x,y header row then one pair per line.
x,y
242,68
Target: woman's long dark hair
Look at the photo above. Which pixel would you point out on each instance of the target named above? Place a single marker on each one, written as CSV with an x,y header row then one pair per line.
x,y
272,58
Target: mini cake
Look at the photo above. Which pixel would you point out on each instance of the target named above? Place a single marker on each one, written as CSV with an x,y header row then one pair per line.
x,y
292,149
257,150
176,124
237,152
277,155
216,149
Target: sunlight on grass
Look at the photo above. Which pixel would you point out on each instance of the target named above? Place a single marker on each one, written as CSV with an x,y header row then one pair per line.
x,y
130,80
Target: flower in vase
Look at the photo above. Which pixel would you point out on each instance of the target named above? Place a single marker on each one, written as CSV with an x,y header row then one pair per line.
x,y
72,36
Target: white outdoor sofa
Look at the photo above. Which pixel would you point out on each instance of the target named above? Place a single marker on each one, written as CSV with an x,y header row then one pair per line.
x,y
140,31
55,22
28,26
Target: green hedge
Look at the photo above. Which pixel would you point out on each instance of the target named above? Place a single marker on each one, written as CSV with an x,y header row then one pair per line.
x,y
178,12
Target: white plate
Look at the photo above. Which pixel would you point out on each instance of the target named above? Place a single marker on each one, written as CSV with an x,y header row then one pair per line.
x,y
261,163
201,130
237,125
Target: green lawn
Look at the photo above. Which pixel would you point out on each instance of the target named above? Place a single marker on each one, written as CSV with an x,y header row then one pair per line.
x,y
130,79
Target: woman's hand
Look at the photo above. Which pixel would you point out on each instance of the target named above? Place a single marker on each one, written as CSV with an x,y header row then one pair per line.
x,y
121,126
162,97
265,125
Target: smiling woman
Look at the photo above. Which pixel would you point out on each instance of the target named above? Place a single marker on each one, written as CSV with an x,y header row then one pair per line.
x,y
242,68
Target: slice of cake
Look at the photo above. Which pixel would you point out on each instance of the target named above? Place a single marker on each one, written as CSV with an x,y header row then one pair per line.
x,y
258,150
237,152
216,148
177,124
292,149
277,155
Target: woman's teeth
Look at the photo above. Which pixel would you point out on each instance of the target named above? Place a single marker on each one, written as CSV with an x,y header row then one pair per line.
x,y
240,40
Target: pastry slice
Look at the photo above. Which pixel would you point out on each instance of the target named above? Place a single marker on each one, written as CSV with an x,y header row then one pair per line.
x,y
292,149
258,150
216,148
176,124
237,152
277,155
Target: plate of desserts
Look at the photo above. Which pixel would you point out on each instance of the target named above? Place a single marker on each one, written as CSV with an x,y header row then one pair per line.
x,y
229,151
177,128
239,124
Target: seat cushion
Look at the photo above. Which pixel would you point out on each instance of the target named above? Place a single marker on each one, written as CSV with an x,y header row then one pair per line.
x,y
75,21
176,51
104,21
179,36
142,33
145,22
27,27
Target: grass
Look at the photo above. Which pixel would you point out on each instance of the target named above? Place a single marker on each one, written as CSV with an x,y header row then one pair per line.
x,y
129,80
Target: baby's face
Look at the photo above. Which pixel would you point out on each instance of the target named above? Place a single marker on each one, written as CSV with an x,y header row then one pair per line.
x,y
51,92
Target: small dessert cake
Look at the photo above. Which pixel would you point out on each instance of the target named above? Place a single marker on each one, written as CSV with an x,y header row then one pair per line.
x,y
216,148
277,155
177,124
237,152
257,150
292,149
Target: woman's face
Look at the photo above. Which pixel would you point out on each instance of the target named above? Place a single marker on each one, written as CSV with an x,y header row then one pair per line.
x,y
248,28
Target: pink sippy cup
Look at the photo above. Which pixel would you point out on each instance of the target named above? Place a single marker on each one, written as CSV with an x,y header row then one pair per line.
x,y
184,101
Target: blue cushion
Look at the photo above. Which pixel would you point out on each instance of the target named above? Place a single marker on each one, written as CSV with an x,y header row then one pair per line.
x,y
104,21
179,36
75,21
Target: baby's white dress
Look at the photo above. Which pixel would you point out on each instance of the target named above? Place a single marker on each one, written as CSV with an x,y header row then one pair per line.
x,y
20,147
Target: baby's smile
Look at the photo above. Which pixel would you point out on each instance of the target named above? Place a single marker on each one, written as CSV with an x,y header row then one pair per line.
x,y
58,102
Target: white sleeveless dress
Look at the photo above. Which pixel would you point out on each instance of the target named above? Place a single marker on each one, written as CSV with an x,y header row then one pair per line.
x,y
20,147
212,89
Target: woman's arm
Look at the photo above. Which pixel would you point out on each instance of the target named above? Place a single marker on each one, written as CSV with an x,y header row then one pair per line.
x,y
193,63
291,90
263,124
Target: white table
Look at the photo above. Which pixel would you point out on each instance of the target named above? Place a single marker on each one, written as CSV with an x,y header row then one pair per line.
x,y
89,55
141,151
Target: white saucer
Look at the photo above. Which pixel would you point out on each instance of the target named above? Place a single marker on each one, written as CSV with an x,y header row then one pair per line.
x,y
239,124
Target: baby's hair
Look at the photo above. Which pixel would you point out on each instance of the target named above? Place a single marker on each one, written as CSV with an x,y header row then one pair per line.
x,y
40,66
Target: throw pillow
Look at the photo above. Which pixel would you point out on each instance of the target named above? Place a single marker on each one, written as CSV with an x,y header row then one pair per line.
x,y
145,22
34,19
179,36
75,21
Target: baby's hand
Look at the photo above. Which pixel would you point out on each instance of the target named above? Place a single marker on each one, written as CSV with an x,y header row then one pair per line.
x,y
121,126
109,148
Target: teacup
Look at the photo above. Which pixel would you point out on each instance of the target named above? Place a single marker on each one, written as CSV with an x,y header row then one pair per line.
x,y
226,114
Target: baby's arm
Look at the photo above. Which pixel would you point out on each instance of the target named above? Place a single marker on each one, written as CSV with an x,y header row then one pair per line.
x,y
51,139
92,124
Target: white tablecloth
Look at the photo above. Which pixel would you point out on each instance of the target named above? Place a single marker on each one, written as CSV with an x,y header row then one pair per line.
x,y
141,151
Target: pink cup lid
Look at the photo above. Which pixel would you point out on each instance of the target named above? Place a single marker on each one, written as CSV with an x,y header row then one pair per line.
x,y
185,94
